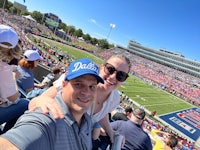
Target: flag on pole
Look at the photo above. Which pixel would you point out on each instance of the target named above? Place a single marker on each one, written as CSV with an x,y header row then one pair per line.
x,y
24,1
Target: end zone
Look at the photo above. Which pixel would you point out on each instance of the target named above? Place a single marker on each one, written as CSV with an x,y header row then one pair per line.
x,y
186,121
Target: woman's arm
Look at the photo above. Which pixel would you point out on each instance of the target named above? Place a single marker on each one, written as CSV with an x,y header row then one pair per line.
x,y
41,85
105,124
46,103
15,96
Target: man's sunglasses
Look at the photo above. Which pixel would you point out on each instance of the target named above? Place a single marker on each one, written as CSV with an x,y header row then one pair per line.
x,y
120,75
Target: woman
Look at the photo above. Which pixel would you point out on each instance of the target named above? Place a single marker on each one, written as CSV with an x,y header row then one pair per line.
x,y
25,66
114,72
11,106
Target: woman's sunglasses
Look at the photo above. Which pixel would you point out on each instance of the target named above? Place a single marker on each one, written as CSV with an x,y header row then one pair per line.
x,y
120,75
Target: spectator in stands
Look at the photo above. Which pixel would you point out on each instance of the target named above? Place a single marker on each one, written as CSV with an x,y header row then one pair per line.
x,y
26,64
163,140
11,106
36,130
114,72
196,145
51,77
123,115
153,113
26,82
135,137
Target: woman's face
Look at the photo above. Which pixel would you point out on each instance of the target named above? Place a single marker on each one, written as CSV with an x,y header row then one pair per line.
x,y
114,73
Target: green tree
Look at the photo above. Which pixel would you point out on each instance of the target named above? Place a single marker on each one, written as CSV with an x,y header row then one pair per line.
x,y
86,37
78,33
63,26
18,11
25,13
103,43
111,46
13,10
9,4
94,41
1,3
6,5
71,30
38,16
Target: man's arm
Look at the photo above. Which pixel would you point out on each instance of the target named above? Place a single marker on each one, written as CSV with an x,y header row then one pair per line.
x,y
7,145
32,131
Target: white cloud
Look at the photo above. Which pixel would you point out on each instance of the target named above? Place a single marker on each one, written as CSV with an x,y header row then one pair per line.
x,y
98,35
93,21
96,23
101,36
111,41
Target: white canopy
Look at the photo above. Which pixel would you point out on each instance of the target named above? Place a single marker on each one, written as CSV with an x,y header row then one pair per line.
x,y
29,17
61,30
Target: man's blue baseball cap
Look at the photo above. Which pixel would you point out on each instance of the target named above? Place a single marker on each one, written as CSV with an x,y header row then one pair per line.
x,y
81,67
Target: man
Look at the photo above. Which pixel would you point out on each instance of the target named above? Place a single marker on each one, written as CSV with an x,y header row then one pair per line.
x,y
135,137
37,130
51,77
123,116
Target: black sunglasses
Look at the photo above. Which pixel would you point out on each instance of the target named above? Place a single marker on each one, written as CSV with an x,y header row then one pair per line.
x,y
120,75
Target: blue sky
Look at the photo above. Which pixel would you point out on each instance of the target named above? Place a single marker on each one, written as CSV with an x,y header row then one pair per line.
x,y
173,25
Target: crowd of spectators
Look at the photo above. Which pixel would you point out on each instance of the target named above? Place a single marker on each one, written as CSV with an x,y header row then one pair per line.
x,y
20,24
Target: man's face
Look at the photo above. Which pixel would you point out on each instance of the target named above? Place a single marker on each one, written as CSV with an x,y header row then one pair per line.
x,y
79,93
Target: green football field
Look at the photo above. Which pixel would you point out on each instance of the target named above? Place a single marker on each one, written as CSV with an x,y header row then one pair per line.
x,y
153,99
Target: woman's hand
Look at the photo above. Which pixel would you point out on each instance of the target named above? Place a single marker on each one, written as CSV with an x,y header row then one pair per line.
x,y
47,105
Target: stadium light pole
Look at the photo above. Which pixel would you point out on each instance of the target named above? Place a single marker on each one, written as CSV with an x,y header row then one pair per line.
x,y
3,9
4,4
43,19
111,27
54,32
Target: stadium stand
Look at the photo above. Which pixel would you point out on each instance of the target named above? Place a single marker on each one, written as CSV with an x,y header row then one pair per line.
x,y
166,58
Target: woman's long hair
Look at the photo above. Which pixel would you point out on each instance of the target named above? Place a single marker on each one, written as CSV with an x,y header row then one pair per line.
x,y
6,54
26,64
